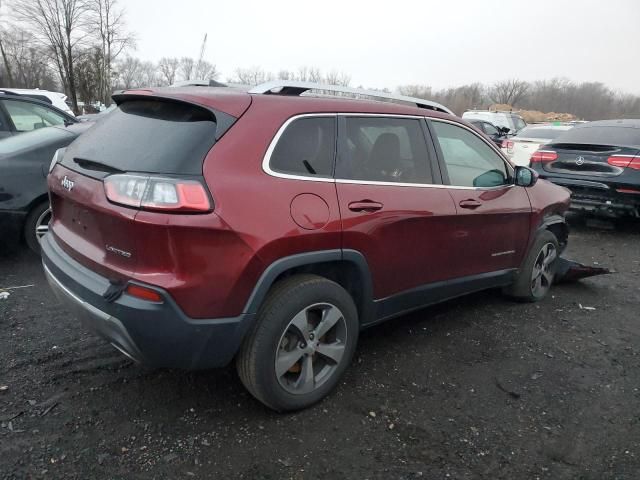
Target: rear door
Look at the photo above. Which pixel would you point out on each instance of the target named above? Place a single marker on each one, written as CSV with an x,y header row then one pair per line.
x,y
492,227
393,207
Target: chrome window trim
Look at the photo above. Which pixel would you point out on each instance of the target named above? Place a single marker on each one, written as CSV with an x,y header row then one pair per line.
x,y
272,145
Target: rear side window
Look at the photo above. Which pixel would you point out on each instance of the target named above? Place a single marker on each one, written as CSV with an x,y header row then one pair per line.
x,y
27,116
384,149
152,136
306,147
469,160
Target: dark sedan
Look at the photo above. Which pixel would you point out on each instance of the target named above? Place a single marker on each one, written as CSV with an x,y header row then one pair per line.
x,y
600,163
24,164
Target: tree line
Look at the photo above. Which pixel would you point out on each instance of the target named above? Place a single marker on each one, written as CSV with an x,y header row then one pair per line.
x,y
586,100
84,48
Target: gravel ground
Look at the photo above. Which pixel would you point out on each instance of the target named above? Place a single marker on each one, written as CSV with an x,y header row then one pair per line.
x,y
479,387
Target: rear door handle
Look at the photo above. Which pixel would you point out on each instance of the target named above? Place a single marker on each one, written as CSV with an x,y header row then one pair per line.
x,y
365,206
471,204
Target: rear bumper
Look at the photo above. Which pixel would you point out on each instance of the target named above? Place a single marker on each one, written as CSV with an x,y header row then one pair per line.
x,y
599,198
152,333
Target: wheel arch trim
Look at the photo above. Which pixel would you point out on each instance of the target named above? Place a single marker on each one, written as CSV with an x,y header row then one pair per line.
x,y
282,265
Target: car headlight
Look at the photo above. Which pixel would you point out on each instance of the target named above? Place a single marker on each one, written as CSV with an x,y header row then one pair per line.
x,y
56,158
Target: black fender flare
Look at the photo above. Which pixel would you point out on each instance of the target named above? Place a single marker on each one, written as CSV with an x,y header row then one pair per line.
x,y
273,271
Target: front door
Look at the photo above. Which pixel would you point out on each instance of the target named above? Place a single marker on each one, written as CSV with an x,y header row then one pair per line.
x,y
493,214
393,207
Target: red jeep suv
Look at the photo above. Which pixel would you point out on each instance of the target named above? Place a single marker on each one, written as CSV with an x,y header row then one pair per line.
x,y
195,226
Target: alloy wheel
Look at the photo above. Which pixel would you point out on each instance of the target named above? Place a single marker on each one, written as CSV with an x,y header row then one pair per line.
x,y
542,274
311,348
42,224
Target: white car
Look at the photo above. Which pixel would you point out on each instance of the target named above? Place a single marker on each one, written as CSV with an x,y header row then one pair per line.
x,y
520,147
510,120
53,98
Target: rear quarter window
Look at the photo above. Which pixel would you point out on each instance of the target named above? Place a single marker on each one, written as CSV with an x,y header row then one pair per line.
x,y
306,147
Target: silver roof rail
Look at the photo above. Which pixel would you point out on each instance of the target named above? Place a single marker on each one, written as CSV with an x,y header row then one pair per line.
x,y
286,87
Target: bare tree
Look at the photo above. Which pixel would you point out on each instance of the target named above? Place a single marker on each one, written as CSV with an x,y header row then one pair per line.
x,y
130,72
113,37
252,76
168,67
206,70
59,25
508,92
187,68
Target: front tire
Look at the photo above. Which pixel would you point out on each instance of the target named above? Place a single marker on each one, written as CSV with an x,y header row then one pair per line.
x,y
303,340
538,271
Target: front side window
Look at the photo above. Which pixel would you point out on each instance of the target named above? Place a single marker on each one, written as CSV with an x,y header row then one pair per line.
x,y
307,147
384,149
469,160
28,116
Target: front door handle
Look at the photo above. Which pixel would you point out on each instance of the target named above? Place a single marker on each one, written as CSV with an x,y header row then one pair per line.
x,y
471,204
365,206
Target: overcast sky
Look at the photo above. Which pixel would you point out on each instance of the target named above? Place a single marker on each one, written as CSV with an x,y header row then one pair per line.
x,y
385,44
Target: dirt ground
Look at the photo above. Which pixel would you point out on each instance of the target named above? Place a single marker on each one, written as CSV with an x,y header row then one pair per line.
x,y
479,387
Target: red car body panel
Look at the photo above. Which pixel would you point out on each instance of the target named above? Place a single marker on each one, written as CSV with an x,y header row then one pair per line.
x,y
210,263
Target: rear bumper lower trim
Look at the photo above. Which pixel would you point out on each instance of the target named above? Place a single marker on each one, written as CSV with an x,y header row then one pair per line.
x,y
155,334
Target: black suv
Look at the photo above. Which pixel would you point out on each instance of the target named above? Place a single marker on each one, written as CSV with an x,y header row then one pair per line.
x,y
600,163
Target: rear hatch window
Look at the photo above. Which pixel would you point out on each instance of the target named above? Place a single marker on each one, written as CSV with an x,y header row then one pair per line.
x,y
600,135
146,135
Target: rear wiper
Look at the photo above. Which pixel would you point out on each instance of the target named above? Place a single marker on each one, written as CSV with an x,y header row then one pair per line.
x,y
95,166
309,168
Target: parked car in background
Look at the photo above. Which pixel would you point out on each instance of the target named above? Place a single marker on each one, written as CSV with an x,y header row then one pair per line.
x,y
58,100
510,120
497,134
24,164
196,226
600,163
96,117
21,113
520,147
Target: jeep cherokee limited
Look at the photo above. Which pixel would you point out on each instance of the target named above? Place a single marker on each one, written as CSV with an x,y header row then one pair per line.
x,y
197,226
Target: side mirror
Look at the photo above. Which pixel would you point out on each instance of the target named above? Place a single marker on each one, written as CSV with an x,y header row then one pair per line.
x,y
525,177
505,130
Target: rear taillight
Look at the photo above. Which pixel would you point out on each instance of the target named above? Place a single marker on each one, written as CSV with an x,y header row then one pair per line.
x,y
157,193
543,156
624,162
508,145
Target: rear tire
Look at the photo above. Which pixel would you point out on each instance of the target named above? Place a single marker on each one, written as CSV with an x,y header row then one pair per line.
x,y
37,225
303,340
536,276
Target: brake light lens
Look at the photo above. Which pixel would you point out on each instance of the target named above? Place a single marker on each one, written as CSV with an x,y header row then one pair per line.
x,y
156,193
624,162
143,293
543,156
508,145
